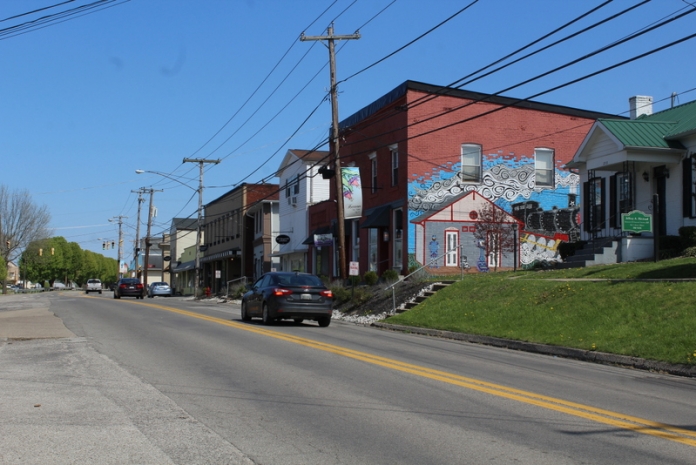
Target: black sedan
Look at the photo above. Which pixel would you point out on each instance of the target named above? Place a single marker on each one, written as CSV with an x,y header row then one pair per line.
x,y
129,287
287,295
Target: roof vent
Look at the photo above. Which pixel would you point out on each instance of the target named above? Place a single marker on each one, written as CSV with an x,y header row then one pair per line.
x,y
640,105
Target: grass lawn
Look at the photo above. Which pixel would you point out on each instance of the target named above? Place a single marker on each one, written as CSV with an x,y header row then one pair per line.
x,y
652,320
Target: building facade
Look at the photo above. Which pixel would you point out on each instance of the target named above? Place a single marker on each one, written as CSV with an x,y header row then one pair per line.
x,y
420,146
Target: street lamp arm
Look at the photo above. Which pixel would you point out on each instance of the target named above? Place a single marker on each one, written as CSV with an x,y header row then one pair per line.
x,y
165,176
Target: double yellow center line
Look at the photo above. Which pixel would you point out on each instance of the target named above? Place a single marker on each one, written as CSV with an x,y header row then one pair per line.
x,y
607,417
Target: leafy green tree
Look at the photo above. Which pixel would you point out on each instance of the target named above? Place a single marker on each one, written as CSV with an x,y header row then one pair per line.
x,y
3,270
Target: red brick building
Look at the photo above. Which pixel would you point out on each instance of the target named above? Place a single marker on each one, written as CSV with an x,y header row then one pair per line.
x,y
421,146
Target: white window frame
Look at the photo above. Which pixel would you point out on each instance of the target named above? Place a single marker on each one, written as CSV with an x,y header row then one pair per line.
x,y
393,150
373,163
471,162
544,163
397,240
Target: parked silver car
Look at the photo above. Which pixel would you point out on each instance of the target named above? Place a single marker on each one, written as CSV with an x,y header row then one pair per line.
x,y
159,289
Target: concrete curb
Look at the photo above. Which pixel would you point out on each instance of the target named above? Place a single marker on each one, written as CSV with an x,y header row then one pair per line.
x,y
544,349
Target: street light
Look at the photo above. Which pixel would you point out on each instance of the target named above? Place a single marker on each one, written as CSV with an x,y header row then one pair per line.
x,y
200,162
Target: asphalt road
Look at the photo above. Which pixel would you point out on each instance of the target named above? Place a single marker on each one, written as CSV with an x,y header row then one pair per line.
x,y
200,386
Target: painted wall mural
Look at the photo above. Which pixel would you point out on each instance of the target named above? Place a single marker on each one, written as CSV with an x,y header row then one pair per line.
x,y
549,215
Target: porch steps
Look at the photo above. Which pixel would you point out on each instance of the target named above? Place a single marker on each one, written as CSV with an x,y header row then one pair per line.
x,y
603,251
423,296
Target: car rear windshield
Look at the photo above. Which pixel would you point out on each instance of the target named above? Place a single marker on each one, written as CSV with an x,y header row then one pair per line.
x,y
130,281
300,280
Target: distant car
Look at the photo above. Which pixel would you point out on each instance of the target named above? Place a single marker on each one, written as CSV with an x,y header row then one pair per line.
x,y
161,289
93,285
57,286
287,295
129,287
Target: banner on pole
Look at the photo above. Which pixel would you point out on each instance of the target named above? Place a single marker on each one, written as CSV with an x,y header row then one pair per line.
x,y
352,192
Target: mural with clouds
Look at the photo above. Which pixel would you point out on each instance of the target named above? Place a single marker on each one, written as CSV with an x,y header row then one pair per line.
x,y
549,214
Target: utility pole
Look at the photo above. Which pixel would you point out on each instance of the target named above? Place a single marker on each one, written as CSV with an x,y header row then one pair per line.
x,y
137,229
120,241
146,264
201,162
337,161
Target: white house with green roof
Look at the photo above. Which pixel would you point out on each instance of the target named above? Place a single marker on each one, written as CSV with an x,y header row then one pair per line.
x,y
643,164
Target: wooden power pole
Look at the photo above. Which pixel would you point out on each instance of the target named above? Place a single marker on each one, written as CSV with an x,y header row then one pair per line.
x,y
331,38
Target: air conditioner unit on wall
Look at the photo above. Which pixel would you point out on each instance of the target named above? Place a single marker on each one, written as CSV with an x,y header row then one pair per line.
x,y
294,200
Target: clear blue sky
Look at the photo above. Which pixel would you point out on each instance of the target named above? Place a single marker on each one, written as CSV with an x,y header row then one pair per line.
x,y
145,83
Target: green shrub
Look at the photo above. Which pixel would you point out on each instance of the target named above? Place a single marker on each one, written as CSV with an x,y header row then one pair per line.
x,y
689,252
390,276
670,246
568,249
341,294
236,292
370,278
687,235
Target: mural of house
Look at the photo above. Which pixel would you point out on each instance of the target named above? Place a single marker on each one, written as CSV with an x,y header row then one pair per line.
x,y
645,164
302,185
468,232
421,146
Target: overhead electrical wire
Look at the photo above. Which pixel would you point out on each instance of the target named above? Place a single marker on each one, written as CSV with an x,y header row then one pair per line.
x,y
57,18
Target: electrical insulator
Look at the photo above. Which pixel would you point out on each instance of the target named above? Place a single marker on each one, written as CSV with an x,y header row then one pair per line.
x,y
103,245
113,244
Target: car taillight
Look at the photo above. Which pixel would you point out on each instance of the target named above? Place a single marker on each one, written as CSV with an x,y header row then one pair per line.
x,y
139,286
327,293
280,292
122,286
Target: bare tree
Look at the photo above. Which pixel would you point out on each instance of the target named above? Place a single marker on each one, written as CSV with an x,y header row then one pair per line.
x,y
21,222
496,229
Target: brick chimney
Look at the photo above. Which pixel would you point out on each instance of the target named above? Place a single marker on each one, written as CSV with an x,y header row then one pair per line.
x,y
640,105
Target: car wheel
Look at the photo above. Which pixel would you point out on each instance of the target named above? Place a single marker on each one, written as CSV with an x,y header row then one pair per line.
x,y
116,296
298,320
100,292
245,315
265,315
325,321
87,292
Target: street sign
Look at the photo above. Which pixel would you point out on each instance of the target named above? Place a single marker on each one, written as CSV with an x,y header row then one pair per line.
x,y
283,239
636,221
354,269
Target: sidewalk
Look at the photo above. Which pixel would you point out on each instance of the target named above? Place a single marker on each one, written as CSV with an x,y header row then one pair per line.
x,y
64,403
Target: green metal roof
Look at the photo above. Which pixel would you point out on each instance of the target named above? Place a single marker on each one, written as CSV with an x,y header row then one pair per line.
x,y
659,130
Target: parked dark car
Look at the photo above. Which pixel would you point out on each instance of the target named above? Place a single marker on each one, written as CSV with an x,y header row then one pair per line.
x,y
287,295
161,289
129,287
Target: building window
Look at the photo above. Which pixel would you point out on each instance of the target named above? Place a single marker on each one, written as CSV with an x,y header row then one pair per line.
x,y
296,189
621,197
689,187
398,240
593,201
373,162
544,167
395,164
471,162
287,188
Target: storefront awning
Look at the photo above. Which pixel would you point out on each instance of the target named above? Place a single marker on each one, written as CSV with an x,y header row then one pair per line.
x,y
184,267
379,218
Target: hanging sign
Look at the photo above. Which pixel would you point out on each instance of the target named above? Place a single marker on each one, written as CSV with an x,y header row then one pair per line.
x,y
283,239
322,240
